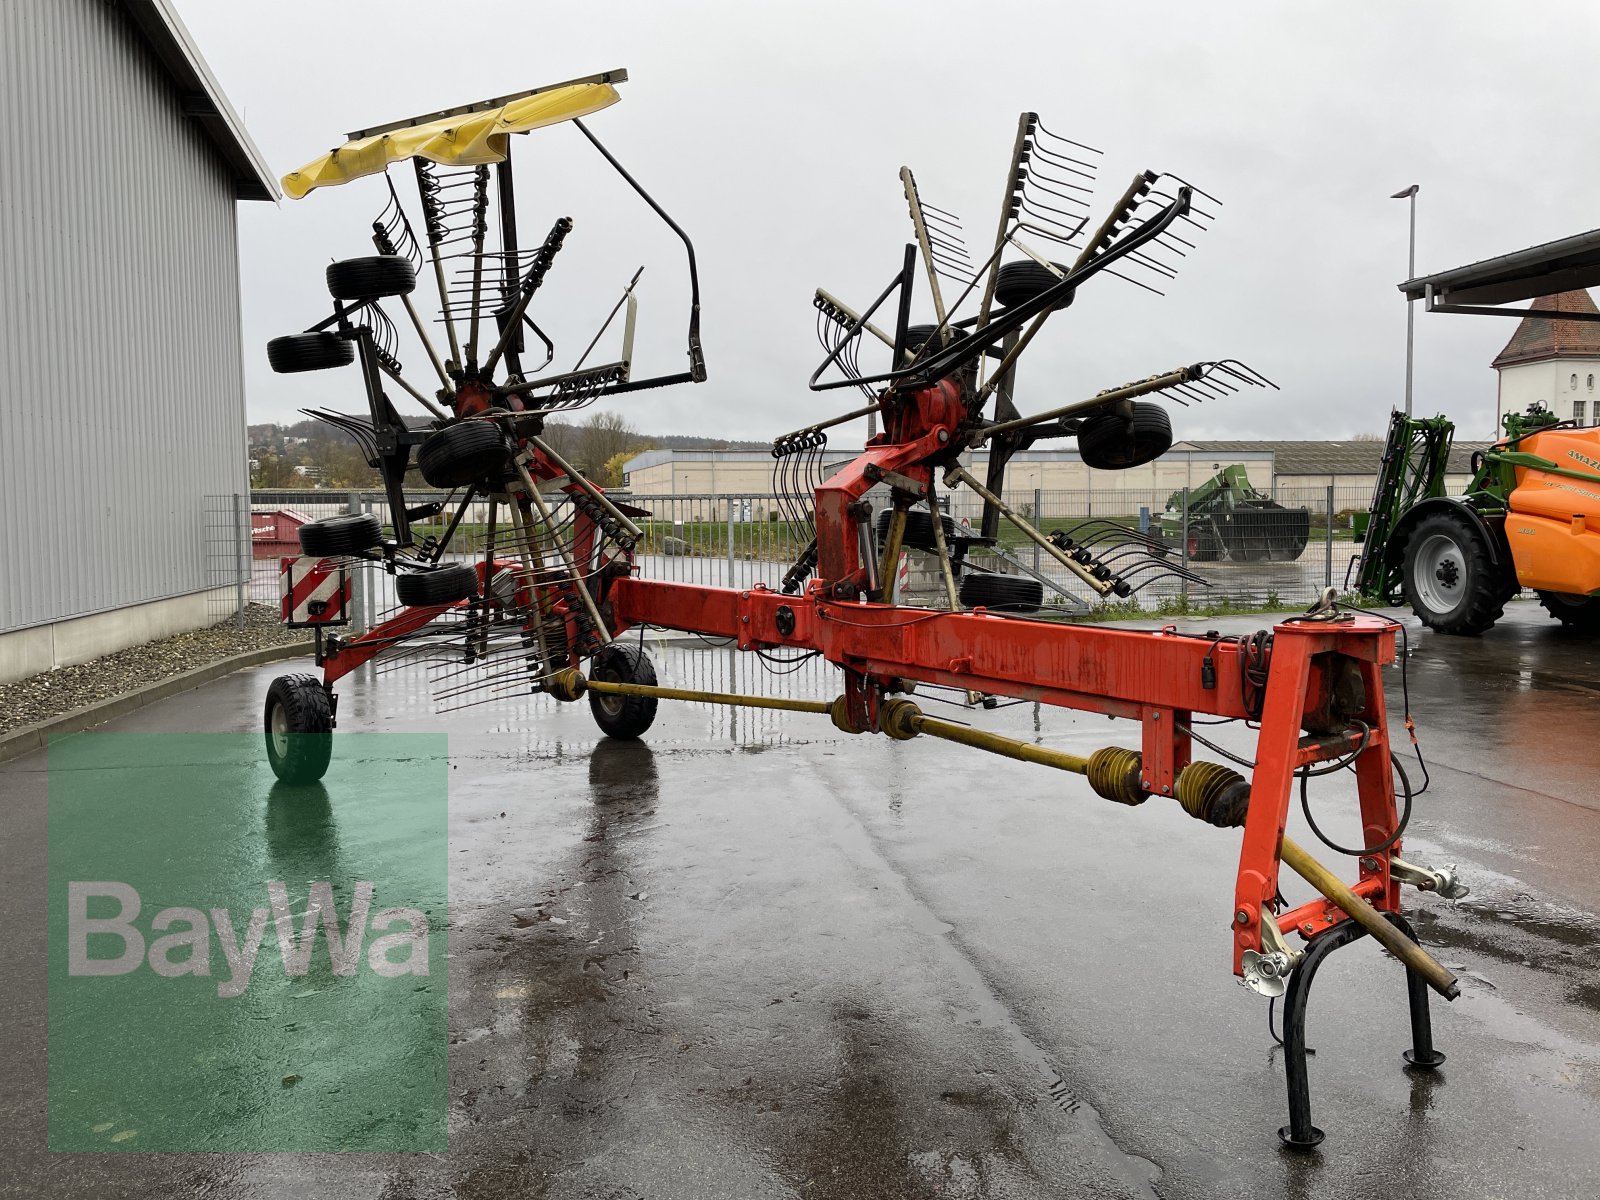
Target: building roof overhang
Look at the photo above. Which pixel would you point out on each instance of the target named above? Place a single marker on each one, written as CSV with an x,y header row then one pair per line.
x,y
202,98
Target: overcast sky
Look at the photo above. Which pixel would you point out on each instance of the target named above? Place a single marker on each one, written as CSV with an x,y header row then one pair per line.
x,y
773,132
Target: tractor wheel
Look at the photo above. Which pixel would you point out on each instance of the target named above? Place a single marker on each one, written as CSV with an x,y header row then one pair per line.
x,y
1575,612
462,454
1021,282
622,716
371,278
446,585
1202,545
919,529
299,728
309,352
1108,441
1003,593
340,535
1449,580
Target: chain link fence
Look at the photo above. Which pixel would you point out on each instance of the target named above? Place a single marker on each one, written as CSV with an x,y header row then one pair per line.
x,y
1250,554
228,557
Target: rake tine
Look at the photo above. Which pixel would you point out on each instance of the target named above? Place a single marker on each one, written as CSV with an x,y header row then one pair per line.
x,y
1039,125
1136,282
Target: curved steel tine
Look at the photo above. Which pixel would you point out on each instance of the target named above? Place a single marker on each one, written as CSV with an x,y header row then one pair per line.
x,y
1198,191
1130,279
1208,386
1168,570
1065,162
1040,127
1242,371
1151,264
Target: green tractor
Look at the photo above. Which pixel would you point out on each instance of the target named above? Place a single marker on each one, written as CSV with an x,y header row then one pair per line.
x,y
1530,518
1226,517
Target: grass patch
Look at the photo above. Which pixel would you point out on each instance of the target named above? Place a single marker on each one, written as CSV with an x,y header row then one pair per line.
x,y
1192,607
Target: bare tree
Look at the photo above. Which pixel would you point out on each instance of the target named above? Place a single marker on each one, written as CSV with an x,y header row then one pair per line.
x,y
1367,437
602,438
566,440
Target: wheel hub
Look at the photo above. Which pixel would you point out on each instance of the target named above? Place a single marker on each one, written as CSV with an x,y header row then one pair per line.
x,y
278,730
1441,573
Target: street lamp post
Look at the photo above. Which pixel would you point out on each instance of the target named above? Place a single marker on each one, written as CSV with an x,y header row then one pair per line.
x,y
1411,273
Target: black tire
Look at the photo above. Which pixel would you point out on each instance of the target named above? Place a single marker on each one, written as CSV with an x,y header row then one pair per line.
x,y
917,336
1203,545
1449,580
1581,613
1108,441
465,453
309,352
340,535
371,278
298,723
1022,282
622,716
1003,593
445,585
919,529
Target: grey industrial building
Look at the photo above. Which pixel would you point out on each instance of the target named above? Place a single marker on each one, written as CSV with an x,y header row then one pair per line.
x,y
119,322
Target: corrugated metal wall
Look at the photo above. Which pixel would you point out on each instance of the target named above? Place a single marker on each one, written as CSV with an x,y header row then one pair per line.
x,y
121,384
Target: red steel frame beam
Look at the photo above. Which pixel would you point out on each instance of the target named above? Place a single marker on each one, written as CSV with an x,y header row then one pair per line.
x,y
1154,677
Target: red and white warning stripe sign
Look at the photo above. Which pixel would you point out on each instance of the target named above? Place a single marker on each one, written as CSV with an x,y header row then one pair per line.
x,y
313,591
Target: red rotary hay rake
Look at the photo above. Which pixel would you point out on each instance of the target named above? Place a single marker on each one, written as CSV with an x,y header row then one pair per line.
x,y
536,593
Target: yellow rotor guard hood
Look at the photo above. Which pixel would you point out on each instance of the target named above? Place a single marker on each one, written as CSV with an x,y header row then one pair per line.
x,y
463,140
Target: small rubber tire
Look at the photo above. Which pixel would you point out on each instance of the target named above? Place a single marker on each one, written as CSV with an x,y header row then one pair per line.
x,y
918,336
309,352
622,716
298,724
1449,579
1581,613
444,585
1003,593
371,278
1108,441
919,529
350,534
464,453
1024,282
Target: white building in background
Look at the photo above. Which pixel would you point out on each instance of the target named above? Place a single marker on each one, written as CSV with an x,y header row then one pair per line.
x,y
735,472
1554,363
1297,471
119,326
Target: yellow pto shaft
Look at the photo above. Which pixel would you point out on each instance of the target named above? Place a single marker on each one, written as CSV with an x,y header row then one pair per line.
x,y
1113,772
1432,971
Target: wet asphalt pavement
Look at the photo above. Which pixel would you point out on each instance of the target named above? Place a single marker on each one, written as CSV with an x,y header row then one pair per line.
x,y
751,956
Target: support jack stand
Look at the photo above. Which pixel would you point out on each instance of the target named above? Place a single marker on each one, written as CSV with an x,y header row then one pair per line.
x,y
1300,1133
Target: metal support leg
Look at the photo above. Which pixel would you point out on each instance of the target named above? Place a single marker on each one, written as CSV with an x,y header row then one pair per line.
x,y
1300,1133
1422,1056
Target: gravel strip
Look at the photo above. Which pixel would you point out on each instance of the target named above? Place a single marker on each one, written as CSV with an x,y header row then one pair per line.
x,y
51,693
